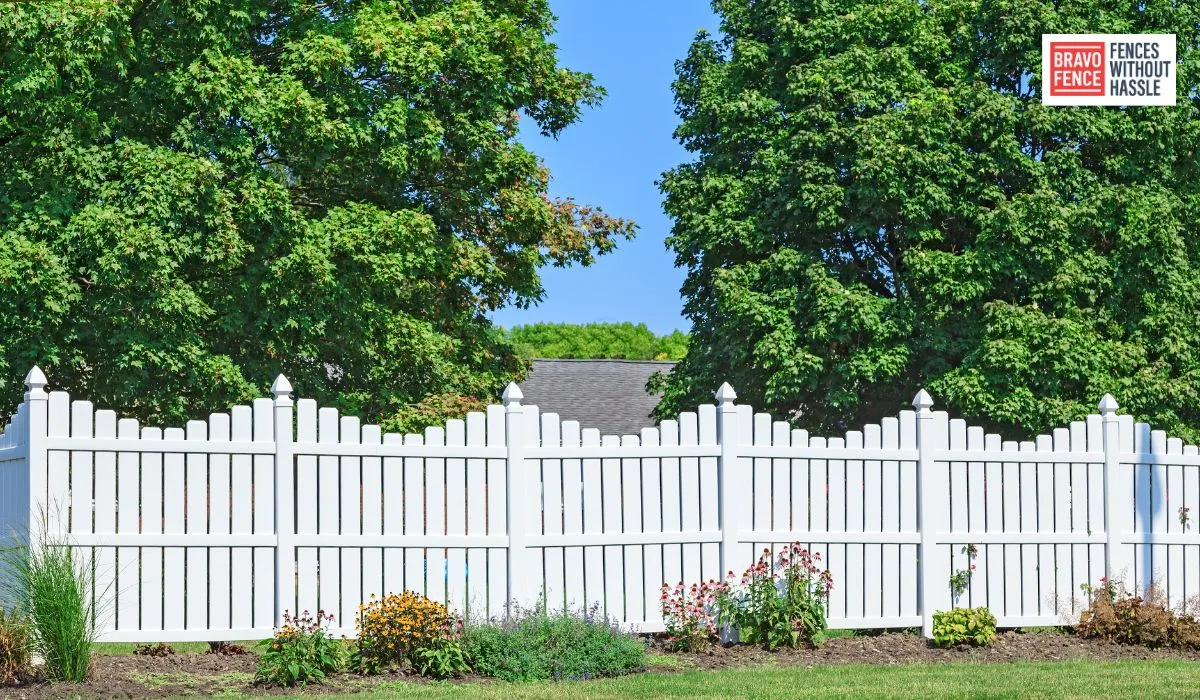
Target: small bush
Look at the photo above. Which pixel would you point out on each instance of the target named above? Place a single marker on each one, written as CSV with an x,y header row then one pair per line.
x,y
1115,615
970,626
225,649
689,616
567,645
15,645
159,649
301,651
409,629
778,606
51,586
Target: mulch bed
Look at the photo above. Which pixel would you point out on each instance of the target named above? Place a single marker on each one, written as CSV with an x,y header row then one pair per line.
x,y
900,648
129,676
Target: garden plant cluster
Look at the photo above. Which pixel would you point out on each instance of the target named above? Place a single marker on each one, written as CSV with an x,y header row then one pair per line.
x,y
781,601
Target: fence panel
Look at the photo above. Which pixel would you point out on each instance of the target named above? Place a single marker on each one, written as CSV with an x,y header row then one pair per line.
x,y
1021,537
212,531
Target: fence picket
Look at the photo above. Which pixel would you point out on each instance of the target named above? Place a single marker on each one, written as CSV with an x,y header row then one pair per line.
x,y
651,502
126,579
196,483
574,593
174,523
242,510
152,524
456,516
220,586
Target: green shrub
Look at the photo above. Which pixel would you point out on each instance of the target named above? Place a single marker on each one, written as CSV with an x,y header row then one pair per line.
x,y
443,658
51,586
301,651
566,645
971,626
15,645
778,606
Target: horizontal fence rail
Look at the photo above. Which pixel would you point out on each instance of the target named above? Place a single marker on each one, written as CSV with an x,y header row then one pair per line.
x,y
213,530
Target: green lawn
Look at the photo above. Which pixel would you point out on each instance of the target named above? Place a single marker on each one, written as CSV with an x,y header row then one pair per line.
x,y
1068,679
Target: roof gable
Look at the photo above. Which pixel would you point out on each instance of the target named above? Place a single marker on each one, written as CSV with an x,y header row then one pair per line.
x,y
609,395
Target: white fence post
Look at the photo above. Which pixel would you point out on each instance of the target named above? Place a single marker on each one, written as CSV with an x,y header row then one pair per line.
x,y
1118,509
285,491
728,483
35,444
515,434
932,510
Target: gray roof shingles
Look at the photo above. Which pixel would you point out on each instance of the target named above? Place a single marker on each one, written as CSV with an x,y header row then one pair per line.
x,y
606,394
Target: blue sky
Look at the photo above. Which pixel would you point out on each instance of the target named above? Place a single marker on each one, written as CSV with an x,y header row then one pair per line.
x,y
613,156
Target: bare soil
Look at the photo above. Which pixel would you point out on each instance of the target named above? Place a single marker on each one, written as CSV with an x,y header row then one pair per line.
x,y
129,676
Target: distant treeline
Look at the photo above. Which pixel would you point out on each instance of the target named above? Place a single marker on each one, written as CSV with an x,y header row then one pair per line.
x,y
588,341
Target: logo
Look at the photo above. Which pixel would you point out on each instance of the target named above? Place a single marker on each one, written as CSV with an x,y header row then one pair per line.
x,y
1108,69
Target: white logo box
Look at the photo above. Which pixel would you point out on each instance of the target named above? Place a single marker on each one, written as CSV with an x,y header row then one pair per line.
x,y
1134,70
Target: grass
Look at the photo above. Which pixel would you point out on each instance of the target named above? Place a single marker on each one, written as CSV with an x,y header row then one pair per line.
x,y
1065,679
672,662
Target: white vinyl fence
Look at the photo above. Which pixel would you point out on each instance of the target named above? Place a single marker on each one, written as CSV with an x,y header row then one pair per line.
x,y
211,531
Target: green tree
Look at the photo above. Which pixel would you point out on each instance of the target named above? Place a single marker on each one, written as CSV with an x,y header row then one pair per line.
x,y
879,202
596,341
196,196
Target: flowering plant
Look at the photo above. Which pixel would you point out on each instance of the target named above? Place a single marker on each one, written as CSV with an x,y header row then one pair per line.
x,y
301,651
961,579
782,605
689,615
409,628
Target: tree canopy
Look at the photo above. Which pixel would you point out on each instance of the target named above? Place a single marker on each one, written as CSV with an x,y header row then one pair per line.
x,y
879,202
196,196
596,341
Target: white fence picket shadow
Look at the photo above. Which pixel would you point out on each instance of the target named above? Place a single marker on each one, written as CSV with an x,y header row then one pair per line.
x,y
212,531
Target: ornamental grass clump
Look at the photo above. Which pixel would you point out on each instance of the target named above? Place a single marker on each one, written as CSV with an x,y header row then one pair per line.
x,y
410,630
50,585
778,602
537,645
689,614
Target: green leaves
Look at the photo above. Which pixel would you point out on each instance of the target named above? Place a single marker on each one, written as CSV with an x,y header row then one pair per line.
x,y
879,202
300,652
596,341
969,626
198,196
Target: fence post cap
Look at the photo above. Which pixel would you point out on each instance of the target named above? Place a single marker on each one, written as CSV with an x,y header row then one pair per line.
x,y
725,395
281,387
36,378
1108,405
922,401
512,396
35,382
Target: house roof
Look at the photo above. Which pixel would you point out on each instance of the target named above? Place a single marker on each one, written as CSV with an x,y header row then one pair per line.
x,y
606,394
